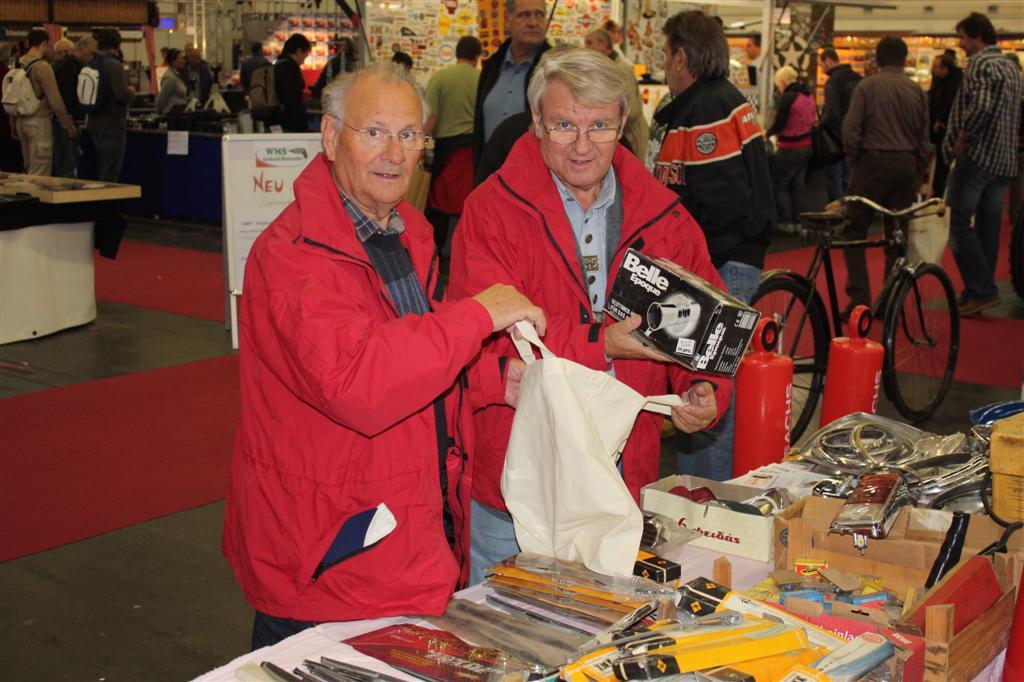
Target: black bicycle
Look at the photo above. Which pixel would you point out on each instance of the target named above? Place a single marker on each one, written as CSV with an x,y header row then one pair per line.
x,y
917,305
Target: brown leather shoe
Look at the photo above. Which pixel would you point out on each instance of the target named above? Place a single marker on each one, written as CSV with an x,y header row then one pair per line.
x,y
975,306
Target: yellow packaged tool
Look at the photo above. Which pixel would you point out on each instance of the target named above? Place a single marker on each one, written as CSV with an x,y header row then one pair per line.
x,y
809,567
769,668
675,650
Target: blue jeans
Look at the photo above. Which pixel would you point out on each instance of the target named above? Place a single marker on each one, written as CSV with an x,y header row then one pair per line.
x,y
708,453
838,175
974,192
492,538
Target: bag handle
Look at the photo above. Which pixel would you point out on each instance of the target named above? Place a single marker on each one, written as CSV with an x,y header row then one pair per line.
x,y
663,404
528,339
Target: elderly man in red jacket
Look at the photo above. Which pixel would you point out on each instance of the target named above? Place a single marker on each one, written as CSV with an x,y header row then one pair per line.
x,y
350,477
555,222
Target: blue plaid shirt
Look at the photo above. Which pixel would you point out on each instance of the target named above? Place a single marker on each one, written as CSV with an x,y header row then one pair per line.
x,y
366,227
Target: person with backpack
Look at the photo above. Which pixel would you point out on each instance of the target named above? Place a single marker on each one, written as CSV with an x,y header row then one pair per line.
x,y
251,65
65,148
31,96
289,85
107,105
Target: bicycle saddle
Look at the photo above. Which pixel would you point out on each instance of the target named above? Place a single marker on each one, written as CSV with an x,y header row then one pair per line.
x,y
825,221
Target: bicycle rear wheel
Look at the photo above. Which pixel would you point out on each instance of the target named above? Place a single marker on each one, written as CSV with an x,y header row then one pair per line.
x,y
803,336
921,339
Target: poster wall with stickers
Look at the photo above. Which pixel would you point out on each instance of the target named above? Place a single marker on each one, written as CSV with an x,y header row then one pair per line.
x,y
426,30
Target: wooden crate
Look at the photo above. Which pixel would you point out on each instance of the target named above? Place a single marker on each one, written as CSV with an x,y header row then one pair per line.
x,y
961,658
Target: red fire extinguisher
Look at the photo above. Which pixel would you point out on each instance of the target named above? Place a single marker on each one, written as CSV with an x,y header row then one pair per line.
x,y
763,402
854,370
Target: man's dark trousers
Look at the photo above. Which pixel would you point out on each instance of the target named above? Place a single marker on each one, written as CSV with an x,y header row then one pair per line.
x,y
890,179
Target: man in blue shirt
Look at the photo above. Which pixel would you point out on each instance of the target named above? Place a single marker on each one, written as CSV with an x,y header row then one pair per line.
x,y
505,75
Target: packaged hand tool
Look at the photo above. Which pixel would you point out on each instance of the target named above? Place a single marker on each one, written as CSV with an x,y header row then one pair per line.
x,y
856,658
436,655
525,638
684,648
871,510
703,596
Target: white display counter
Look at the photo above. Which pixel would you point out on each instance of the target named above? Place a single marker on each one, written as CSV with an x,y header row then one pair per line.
x,y
46,280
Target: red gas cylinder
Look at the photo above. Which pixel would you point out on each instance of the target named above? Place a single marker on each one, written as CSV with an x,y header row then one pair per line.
x,y
854,370
763,403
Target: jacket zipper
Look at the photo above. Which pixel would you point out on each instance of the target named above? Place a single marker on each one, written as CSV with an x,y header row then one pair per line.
x,y
321,568
623,244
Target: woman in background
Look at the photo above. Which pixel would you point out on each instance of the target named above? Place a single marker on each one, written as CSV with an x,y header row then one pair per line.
x,y
793,124
173,91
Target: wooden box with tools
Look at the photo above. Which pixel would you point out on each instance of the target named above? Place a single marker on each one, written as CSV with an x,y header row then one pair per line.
x,y
903,559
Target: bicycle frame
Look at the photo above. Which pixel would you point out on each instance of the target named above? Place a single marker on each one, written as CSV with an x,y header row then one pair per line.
x,y
823,258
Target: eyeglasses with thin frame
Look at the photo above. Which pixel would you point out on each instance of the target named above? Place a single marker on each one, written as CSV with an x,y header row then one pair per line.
x,y
413,140
567,134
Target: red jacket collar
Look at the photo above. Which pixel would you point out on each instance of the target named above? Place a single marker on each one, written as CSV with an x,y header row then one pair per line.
x,y
325,221
526,174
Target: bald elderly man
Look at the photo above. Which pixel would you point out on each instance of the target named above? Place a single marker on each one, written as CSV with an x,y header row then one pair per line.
x,y
350,478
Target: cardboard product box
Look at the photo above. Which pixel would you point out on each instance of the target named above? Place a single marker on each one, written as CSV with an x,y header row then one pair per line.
x,y
849,623
903,560
656,568
1006,460
684,317
721,529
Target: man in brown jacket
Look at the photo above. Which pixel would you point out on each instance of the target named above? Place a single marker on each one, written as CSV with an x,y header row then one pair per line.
x,y
36,131
885,138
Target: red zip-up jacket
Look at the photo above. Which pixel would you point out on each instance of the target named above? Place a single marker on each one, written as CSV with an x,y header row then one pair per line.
x,y
514,231
337,417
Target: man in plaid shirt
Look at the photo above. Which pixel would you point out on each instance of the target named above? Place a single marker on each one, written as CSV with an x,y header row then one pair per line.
x,y
981,138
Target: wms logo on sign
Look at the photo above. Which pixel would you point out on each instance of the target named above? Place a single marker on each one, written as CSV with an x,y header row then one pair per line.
x,y
269,157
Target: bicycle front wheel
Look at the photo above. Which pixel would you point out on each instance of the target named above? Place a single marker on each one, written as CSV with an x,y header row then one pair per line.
x,y
803,336
921,339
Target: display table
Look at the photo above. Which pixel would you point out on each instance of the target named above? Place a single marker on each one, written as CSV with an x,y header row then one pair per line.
x,y
48,230
326,639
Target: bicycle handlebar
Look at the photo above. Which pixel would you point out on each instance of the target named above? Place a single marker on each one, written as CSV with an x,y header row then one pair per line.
x,y
933,206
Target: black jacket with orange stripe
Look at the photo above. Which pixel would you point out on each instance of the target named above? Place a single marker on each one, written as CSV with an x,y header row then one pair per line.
x,y
708,147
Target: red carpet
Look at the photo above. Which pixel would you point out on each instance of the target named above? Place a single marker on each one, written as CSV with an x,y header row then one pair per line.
x,y
89,458
990,346
165,278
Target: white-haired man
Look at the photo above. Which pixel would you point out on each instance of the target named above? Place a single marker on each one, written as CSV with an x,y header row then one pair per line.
x,y
349,483
555,221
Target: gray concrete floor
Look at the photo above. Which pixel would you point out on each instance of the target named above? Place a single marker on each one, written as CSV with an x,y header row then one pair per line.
x,y
156,601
